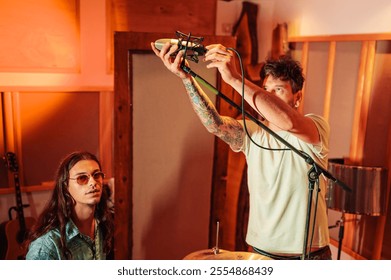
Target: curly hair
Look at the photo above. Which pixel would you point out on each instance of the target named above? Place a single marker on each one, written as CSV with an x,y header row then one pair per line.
x,y
286,69
58,211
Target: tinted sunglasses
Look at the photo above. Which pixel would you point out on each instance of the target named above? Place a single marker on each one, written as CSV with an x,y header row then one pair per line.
x,y
83,179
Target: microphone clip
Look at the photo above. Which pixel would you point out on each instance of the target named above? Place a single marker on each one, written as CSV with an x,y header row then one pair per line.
x,y
196,48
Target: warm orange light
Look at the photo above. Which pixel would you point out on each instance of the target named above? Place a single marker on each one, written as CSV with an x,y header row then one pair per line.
x,y
39,36
37,108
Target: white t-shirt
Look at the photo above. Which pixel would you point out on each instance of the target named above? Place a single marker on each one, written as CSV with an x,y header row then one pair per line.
x,y
278,187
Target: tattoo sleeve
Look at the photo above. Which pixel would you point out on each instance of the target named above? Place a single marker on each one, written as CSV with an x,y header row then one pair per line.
x,y
226,128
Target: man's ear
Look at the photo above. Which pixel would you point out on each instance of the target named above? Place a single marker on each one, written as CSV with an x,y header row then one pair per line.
x,y
298,96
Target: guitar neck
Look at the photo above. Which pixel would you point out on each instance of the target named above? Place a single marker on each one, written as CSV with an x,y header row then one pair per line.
x,y
19,204
13,167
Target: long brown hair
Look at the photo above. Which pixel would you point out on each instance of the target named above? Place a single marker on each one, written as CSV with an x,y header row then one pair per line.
x,y
58,211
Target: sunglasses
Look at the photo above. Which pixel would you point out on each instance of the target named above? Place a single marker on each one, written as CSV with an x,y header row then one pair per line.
x,y
85,178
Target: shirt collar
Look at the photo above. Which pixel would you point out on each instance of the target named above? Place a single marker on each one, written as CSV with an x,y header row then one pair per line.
x,y
72,230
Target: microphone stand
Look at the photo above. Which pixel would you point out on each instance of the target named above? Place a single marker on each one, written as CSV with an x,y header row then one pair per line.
x,y
340,223
314,172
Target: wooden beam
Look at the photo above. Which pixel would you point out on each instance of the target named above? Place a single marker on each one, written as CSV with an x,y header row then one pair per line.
x,y
106,127
360,120
29,189
122,149
354,145
329,80
304,65
342,37
363,94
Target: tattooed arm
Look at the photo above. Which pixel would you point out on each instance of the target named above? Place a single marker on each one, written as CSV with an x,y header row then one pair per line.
x,y
226,128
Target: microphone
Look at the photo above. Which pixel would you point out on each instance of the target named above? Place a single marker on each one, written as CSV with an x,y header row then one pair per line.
x,y
197,48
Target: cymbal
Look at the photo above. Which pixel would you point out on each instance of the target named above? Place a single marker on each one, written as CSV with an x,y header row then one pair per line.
x,y
224,255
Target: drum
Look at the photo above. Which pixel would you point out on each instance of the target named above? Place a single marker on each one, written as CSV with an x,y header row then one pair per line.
x,y
210,254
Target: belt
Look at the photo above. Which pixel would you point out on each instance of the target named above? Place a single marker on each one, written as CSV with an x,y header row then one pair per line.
x,y
317,254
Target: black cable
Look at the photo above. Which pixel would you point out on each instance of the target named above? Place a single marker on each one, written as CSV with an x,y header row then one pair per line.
x,y
243,109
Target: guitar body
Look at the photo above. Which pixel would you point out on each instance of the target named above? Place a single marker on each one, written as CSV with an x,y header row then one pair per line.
x,y
14,232
12,239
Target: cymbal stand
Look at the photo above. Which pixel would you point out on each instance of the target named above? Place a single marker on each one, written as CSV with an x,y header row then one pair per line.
x,y
216,249
341,224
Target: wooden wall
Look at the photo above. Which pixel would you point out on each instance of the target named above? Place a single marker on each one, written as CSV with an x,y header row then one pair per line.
x,y
198,17
351,75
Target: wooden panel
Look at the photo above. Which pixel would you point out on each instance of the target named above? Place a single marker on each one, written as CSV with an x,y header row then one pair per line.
x,y
385,221
172,163
52,125
232,221
343,90
220,165
198,17
44,36
364,235
123,154
106,131
3,168
359,235
315,85
362,117
355,144
300,52
377,149
379,113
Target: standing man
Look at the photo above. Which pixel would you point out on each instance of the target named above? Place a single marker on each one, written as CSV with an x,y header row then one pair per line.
x,y
277,177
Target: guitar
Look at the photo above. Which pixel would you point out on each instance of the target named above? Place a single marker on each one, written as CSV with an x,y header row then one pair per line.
x,y
15,230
